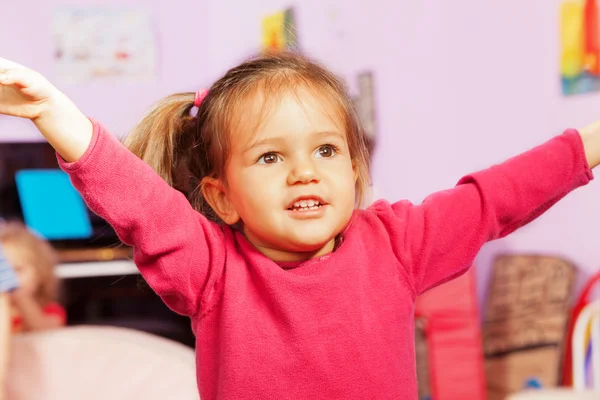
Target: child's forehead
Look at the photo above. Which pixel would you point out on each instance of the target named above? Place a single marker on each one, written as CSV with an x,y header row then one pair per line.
x,y
292,109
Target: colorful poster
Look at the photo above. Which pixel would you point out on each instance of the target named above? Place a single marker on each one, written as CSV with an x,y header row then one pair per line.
x,y
104,44
580,47
279,31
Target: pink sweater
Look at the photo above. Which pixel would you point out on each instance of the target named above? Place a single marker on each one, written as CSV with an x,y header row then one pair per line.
x,y
337,327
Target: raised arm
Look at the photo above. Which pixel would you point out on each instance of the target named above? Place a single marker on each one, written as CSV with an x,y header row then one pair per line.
x,y
439,238
177,250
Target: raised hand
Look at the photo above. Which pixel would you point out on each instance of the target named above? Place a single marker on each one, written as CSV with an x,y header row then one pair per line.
x,y
27,94
24,92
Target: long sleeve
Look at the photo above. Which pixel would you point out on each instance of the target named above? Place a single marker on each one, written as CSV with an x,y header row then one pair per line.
x,y
178,251
438,239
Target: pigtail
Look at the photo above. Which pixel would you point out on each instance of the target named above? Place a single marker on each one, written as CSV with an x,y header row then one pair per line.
x,y
169,139
162,140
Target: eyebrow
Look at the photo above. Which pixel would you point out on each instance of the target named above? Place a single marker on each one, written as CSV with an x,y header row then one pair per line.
x,y
276,140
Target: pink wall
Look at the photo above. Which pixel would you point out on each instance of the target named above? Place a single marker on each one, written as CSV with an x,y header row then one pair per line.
x,y
461,85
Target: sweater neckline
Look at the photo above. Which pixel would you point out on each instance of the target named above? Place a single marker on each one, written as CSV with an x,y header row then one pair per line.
x,y
302,267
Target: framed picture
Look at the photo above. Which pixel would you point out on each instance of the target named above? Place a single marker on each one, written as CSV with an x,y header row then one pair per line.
x,y
580,47
279,31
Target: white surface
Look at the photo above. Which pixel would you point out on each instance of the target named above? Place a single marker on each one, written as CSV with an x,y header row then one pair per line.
x,y
555,394
98,363
94,269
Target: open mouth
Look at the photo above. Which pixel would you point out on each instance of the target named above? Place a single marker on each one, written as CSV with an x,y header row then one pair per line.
x,y
307,204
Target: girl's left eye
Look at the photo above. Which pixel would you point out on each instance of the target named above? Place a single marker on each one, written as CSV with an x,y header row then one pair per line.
x,y
326,151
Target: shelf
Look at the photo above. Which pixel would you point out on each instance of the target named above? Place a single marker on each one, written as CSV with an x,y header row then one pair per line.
x,y
95,269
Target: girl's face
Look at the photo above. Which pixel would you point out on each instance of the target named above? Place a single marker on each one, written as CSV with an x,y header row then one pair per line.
x,y
26,272
291,182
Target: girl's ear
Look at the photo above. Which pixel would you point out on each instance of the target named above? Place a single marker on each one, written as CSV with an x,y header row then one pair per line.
x,y
213,191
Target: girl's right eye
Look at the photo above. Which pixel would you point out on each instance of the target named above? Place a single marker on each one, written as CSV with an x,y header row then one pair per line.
x,y
269,158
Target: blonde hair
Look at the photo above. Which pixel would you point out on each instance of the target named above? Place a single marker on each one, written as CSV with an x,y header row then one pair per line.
x,y
38,252
183,148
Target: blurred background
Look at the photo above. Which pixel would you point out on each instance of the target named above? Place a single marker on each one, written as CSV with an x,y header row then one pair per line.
x,y
444,88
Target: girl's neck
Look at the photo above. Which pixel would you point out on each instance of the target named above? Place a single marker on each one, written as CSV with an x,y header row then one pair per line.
x,y
290,256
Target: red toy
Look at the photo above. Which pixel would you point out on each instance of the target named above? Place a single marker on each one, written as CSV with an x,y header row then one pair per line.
x,y
454,341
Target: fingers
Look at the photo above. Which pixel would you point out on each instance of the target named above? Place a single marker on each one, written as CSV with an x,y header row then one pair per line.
x,y
12,73
16,76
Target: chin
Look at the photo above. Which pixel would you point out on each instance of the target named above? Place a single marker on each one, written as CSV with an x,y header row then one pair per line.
x,y
306,245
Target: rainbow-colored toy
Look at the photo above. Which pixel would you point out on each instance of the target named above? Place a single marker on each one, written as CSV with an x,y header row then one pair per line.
x,y
583,305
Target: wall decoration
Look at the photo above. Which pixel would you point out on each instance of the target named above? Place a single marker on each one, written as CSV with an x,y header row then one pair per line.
x,y
279,31
102,44
580,46
364,103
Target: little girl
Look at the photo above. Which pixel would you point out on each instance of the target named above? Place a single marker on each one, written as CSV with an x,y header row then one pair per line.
x,y
294,292
28,298
35,302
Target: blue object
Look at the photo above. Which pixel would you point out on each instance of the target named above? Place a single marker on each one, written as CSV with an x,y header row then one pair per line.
x,y
8,277
51,206
533,383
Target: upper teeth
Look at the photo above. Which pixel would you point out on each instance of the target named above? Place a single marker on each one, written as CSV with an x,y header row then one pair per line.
x,y
306,203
